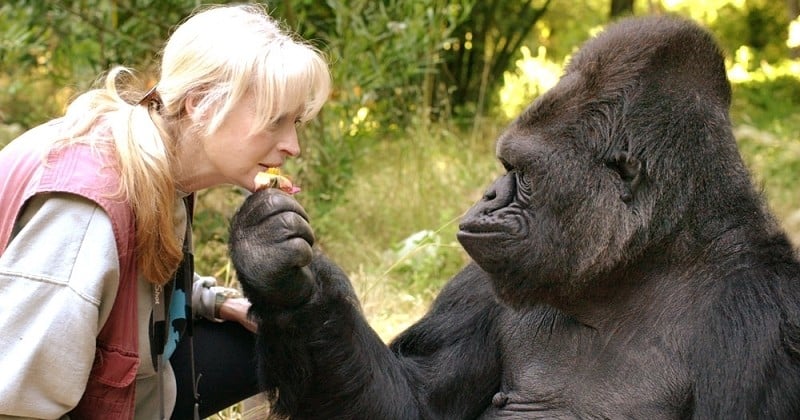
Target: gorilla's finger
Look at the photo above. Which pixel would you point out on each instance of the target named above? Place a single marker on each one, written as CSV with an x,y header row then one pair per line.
x,y
267,263
266,203
289,225
273,231
288,291
300,251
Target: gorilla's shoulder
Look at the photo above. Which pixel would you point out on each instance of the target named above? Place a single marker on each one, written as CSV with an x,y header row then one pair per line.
x,y
471,283
465,309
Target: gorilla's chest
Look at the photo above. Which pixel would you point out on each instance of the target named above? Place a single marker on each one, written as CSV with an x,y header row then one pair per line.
x,y
556,368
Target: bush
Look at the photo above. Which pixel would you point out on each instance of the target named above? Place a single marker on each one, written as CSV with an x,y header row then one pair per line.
x,y
767,127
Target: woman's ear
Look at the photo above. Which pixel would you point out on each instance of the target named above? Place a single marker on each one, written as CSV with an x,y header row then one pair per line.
x,y
191,107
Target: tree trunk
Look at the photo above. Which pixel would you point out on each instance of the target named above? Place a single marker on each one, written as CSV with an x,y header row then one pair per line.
x,y
494,31
793,9
620,8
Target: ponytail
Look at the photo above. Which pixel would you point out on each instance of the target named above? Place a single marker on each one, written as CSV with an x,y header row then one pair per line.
x,y
145,154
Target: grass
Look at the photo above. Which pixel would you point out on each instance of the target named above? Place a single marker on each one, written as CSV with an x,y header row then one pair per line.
x,y
421,182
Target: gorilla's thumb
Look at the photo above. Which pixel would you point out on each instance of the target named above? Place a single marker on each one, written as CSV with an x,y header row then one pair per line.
x,y
286,292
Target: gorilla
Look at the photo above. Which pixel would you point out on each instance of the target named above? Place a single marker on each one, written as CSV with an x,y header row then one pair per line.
x,y
623,266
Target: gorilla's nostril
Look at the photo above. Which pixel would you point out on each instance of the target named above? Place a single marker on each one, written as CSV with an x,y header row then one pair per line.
x,y
500,399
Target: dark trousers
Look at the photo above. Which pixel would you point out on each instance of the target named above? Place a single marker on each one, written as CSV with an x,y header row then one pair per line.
x,y
225,366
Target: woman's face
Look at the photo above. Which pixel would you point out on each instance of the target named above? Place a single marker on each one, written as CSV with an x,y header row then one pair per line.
x,y
234,155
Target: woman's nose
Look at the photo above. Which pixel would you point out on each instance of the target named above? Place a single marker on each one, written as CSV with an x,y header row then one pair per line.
x,y
291,144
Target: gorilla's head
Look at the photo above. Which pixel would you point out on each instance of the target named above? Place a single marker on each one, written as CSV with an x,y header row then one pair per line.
x,y
629,154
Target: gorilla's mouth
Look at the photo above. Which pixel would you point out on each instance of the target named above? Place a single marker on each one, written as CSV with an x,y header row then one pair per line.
x,y
488,242
471,241
484,229
473,233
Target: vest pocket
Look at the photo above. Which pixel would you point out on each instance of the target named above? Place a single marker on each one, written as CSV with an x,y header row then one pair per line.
x,y
114,367
110,391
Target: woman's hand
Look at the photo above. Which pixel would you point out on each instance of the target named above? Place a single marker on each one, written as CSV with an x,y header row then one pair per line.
x,y
235,309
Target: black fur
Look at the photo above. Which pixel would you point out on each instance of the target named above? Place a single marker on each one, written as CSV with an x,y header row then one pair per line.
x,y
624,267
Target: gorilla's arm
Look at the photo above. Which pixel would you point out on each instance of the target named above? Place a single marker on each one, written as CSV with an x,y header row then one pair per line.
x,y
319,356
456,346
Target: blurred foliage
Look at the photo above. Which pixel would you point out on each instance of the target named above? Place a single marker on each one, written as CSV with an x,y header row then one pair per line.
x,y
480,51
380,59
59,48
214,208
768,127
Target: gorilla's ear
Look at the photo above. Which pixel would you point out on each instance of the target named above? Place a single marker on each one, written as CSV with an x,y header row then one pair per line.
x,y
629,169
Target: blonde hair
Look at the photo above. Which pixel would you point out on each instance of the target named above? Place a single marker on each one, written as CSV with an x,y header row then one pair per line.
x,y
219,55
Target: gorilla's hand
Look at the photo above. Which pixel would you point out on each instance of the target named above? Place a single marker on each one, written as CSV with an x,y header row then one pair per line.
x,y
270,246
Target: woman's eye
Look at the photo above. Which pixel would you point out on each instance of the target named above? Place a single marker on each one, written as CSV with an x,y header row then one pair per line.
x,y
274,124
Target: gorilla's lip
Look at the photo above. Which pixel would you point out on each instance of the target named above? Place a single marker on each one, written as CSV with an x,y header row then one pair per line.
x,y
466,236
469,240
483,231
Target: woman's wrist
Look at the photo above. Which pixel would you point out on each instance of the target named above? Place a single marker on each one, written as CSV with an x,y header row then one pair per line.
x,y
222,306
236,309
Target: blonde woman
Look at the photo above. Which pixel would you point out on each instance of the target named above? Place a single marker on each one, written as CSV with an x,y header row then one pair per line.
x,y
95,263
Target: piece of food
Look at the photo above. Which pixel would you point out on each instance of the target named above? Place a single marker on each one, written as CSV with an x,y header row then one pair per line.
x,y
272,178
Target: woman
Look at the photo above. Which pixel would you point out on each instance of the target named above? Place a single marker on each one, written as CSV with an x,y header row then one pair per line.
x,y
93,223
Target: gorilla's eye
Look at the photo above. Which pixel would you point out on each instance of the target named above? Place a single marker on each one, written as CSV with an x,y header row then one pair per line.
x,y
625,166
507,166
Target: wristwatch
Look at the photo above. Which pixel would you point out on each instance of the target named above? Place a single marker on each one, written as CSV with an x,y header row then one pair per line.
x,y
221,295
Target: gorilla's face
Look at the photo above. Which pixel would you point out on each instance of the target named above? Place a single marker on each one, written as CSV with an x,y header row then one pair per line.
x,y
570,202
630,134
562,211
